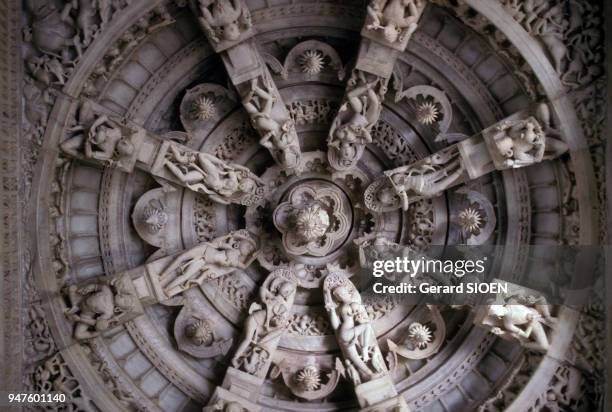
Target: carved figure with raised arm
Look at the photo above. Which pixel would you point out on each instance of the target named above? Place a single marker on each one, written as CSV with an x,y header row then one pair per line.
x,y
279,137
210,260
204,173
396,19
266,323
104,141
351,130
351,322
224,20
96,307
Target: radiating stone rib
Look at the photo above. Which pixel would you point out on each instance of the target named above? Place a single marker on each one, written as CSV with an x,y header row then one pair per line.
x,y
263,329
100,137
386,32
228,27
363,363
521,140
96,306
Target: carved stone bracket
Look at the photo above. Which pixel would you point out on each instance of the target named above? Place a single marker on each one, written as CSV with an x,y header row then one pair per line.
x,y
228,27
263,328
364,364
521,314
521,140
98,306
386,32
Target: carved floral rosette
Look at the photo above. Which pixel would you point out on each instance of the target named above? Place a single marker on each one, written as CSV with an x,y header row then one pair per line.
x,y
313,220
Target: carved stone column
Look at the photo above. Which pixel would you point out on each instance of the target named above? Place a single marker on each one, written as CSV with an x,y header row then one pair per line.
x,y
521,140
385,34
252,359
229,30
364,364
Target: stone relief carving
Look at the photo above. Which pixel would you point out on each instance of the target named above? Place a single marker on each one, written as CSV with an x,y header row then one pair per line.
x,y
363,360
313,57
422,340
570,31
266,323
521,314
313,220
392,22
197,334
278,134
97,307
54,375
219,257
306,382
204,173
431,107
104,140
424,179
350,131
308,376
225,22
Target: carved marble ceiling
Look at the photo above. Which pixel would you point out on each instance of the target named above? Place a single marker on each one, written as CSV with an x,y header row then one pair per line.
x,y
188,185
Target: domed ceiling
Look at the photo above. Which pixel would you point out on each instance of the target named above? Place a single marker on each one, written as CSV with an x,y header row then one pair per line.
x,y
191,186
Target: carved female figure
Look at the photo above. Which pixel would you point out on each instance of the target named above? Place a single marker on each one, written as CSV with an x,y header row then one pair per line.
x,y
105,141
281,140
202,172
356,337
209,260
94,306
365,106
264,325
513,315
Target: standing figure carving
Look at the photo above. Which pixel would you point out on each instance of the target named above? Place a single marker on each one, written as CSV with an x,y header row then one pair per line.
x,y
266,323
210,260
278,136
350,131
348,317
204,173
